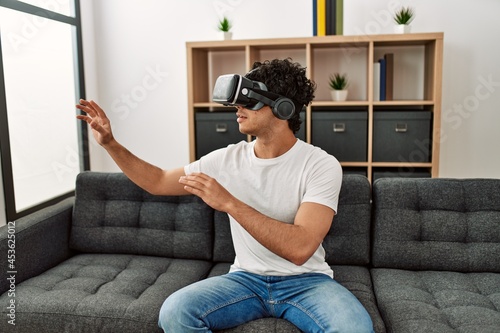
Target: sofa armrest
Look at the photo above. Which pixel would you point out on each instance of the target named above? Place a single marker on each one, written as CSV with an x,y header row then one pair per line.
x,y
35,243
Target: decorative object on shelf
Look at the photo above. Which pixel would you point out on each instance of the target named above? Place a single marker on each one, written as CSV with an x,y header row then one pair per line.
x,y
224,27
403,17
328,17
338,84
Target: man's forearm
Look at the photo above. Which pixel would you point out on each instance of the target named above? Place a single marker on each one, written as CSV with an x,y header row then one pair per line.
x,y
289,241
142,173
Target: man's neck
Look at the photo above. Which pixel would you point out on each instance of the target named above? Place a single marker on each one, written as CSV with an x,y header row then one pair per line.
x,y
273,147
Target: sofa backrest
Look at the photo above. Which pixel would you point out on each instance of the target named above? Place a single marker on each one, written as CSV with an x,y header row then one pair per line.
x,y
348,241
113,215
223,242
437,224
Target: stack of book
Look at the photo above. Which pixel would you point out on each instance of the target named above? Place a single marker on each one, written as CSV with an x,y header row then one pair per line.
x,y
383,78
328,17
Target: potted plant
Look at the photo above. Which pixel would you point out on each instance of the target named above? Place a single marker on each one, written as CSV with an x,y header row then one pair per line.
x,y
225,26
339,83
403,17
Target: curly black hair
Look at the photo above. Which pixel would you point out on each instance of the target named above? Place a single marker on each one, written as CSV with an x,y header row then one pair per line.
x,y
286,78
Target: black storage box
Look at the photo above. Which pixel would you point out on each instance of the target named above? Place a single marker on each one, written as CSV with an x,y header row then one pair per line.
x,y
400,173
216,130
354,171
342,134
402,136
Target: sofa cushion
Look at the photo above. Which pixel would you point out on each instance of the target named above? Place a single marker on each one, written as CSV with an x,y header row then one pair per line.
x,y
109,292
113,215
355,278
438,302
348,241
437,224
267,325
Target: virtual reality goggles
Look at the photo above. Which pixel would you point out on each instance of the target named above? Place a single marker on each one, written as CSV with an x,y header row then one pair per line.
x,y
237,90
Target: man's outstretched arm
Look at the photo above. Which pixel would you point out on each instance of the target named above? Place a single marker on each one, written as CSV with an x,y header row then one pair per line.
x,y
149,177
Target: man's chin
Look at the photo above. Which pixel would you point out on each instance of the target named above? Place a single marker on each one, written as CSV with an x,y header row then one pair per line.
x,y
245,131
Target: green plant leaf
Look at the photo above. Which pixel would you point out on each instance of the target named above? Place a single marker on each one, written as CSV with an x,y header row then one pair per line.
x,y
338,81
404,15
224,24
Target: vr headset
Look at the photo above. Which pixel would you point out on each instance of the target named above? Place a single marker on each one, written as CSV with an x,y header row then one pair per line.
x,y
237,90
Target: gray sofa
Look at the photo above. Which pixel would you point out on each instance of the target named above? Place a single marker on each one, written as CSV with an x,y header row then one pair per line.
x,y
436,254
424,256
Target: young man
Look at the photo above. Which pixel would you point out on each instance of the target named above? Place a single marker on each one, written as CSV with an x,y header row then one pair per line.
x,y
281,195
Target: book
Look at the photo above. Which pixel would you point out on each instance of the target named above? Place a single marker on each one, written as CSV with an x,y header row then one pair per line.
x,y
339,21
382,79
376,81
389,76
315,17
331,16
321,17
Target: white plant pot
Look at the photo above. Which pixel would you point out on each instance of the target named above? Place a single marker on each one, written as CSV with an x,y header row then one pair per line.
x,y
339,95
226,35
402,29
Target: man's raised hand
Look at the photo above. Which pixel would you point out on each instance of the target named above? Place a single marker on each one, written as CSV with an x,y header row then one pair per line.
x,y
98,121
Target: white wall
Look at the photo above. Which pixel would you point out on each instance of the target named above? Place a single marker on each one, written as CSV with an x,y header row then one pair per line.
x,y
126,41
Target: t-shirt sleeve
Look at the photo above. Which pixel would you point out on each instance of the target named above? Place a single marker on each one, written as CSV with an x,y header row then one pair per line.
x,y
324,183
208,164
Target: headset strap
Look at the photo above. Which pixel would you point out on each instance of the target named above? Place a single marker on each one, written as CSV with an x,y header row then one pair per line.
x,y
270,98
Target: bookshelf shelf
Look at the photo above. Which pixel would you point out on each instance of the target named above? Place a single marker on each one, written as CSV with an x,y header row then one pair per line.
x,y
417,71
403,103
336,104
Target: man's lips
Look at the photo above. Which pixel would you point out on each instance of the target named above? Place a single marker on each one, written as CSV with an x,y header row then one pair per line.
x,y
241,118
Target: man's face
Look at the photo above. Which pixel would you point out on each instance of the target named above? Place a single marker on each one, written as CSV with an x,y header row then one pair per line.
x,y
256,123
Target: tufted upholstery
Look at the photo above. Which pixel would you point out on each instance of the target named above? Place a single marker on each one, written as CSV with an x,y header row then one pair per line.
x,y
223,242
436,301
437,249
437,224
113,215
110,292
348,241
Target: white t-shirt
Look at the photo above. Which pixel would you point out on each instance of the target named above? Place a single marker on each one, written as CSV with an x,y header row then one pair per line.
x,y
274,187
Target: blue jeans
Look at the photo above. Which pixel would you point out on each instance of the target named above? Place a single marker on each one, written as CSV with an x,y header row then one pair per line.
x,y
312,302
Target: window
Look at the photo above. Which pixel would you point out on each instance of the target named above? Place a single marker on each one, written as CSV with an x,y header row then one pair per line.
x,y
43,146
